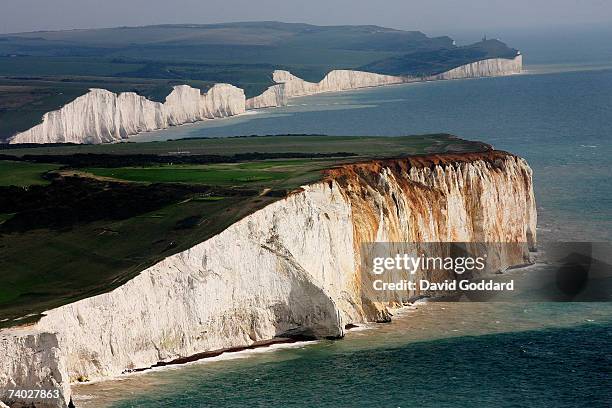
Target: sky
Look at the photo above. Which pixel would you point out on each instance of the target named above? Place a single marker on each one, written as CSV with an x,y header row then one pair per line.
x,y
429,16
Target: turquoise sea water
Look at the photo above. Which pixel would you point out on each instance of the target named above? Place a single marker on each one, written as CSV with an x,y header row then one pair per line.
x,y
441,354
504,370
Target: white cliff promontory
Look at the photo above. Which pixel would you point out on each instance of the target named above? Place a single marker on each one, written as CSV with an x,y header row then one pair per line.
x,y
337,80
101,116
291,268
289,86
272,97
485,68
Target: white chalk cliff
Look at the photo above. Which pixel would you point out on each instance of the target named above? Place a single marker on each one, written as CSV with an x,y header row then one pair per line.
x,y
290,86
101,116
343,80
337,80
272,97
290,268
485,68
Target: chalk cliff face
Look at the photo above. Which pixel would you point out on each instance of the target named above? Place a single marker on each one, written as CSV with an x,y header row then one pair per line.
x,y
32,359
272,97
343,80
288,85
485,68
291,268
101,116
337,80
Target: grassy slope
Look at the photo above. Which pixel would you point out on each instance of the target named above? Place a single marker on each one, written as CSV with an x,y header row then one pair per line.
x,y
220,174
45,268
23,174
423,63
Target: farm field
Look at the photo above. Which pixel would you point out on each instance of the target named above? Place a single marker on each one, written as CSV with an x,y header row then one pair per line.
x,y
22,174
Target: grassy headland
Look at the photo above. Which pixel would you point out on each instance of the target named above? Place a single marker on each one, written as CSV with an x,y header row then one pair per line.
x,y
109,211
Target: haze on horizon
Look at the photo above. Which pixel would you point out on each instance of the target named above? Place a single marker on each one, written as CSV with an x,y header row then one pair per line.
x,y
432,17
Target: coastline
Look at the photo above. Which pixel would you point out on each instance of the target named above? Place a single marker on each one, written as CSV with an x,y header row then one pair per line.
x,y
197,359
82,395
221,352
220,101
297,102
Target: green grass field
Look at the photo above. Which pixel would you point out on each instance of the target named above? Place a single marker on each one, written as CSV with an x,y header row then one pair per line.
x,y
256,174
44,268
204,174
23,174
368,146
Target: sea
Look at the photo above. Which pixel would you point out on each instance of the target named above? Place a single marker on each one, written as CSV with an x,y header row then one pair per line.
x,y
557,116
